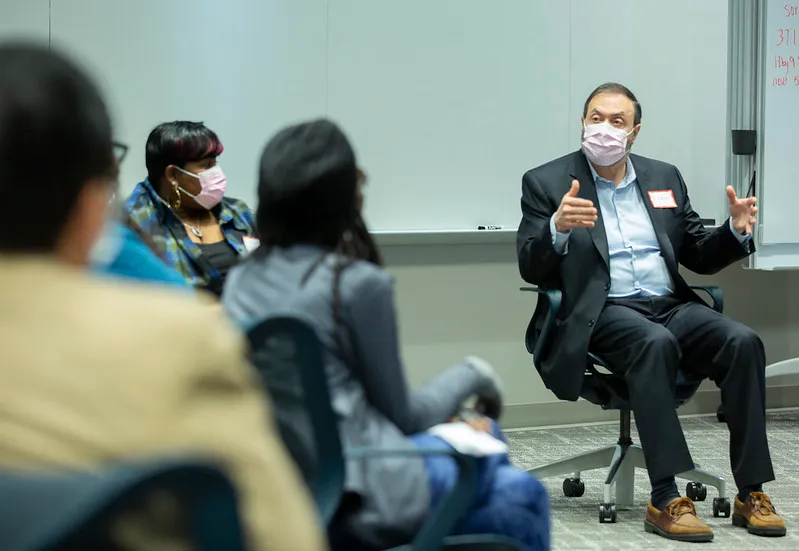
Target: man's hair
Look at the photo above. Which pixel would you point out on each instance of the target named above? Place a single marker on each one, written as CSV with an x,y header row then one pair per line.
x,y
615,88
177,143
55,136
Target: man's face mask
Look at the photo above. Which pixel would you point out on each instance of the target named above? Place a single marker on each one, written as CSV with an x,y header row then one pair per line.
x,y
604,144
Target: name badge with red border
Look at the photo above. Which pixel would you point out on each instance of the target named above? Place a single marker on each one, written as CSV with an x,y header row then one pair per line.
x,y
663,199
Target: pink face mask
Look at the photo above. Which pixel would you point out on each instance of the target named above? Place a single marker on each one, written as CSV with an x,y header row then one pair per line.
x,y
604,144
212,186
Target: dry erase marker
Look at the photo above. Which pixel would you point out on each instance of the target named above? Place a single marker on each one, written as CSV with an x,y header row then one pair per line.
x,y
489,227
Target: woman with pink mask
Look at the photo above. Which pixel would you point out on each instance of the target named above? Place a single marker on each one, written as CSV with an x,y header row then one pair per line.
x,y
182,206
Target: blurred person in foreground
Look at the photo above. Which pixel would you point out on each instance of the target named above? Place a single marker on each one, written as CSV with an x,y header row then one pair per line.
x,y
96,371
318,261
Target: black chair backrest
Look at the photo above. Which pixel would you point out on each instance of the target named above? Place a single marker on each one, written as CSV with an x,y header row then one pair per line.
x,y
73,510
291,359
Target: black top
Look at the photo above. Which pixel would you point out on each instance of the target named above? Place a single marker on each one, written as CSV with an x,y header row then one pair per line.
x,y
221,256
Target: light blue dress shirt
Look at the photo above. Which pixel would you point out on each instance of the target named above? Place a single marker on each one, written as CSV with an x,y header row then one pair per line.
x,y
636,265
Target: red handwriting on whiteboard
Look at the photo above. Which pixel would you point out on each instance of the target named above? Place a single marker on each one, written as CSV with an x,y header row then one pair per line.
x,y
787,37
791,11
786,63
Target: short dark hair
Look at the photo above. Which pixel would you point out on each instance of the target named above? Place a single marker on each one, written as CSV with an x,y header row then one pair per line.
x,y
177,143
55,136
615,88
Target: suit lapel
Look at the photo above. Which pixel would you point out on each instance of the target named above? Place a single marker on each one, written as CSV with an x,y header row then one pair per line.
x,y
579,170
657,216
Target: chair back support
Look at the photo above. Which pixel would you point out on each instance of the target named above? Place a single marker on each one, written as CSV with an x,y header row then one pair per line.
x,y
289,356
73,510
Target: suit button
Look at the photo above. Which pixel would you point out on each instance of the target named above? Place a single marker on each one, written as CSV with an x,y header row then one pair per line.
x,y
607,286
590,323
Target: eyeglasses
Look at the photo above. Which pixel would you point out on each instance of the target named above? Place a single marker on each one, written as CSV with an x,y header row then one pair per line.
x,y
120,151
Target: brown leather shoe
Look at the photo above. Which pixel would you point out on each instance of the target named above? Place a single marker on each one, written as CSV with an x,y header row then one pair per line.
x,y
758,516
677,521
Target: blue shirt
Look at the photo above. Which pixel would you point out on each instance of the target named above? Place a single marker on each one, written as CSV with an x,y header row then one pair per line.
x,y
636,265
122,254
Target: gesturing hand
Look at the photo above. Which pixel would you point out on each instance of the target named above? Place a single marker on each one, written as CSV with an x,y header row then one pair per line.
x,y
742,212
574,212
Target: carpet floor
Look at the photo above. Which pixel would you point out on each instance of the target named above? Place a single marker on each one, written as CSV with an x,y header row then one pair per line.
x,y
575,523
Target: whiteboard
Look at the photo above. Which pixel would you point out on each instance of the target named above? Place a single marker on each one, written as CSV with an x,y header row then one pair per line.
x,y
448,102
25,19
779,144
245,68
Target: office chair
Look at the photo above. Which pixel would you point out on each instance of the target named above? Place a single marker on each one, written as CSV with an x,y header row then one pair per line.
x,y
609,391
72,510
289,356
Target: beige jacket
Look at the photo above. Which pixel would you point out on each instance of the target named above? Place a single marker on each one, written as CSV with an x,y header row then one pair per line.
x,y
93,371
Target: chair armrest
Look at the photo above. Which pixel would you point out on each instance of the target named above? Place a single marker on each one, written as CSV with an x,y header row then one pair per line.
x,y
554,301
441,521
715,294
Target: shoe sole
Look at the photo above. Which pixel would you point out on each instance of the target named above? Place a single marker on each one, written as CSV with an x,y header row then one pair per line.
x,y
765,531
691,538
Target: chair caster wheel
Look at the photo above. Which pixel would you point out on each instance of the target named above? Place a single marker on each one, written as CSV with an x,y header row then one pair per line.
x,y
720,415
573,487
607,513
696,491
721,507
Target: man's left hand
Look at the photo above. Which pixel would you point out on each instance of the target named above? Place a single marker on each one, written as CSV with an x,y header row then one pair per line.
x,y
742,212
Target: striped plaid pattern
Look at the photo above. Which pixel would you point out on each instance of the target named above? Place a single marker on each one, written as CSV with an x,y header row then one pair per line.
x,y
169,237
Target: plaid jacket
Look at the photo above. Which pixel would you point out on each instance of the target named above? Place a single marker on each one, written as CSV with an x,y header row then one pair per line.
x,y
172,243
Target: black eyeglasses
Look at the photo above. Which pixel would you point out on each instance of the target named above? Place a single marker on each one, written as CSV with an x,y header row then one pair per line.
x,y
120,151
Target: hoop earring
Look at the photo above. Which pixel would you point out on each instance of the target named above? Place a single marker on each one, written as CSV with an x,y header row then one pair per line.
x,y
178,203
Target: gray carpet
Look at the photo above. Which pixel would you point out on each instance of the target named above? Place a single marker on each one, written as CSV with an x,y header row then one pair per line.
x,y
575,523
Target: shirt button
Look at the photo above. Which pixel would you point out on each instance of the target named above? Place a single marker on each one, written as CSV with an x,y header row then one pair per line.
x,y
638,284
590,323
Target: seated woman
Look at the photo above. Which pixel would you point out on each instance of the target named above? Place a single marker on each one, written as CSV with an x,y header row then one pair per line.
x,y
182,207
317,260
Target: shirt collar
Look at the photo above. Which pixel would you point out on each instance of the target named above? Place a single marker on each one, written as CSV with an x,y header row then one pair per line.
x,y
629,178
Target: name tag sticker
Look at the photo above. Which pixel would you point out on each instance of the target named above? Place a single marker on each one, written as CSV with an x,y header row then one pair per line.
x,y
251,243
663,199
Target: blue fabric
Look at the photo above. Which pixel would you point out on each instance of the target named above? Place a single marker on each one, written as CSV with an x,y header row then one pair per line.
x,y
509,502
636,266
135,260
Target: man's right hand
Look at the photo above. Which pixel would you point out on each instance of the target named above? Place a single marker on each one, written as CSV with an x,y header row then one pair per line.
x,y
574,212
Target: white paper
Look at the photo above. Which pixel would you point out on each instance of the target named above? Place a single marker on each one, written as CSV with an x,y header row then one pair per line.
x,y
468,440
251,243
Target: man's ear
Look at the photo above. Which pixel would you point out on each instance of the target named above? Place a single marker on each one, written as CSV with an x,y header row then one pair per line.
x,y
636,130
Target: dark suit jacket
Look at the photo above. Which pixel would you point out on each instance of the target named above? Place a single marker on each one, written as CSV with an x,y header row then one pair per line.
x,y
583,274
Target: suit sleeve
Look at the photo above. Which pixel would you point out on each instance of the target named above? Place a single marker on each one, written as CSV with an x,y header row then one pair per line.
x,y
225,413
703,251
380,370
538,260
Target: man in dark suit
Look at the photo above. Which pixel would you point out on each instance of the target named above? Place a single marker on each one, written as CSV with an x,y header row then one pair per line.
x,y
609,230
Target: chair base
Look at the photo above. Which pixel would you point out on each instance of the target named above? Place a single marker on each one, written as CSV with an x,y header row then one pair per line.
x,y
621,461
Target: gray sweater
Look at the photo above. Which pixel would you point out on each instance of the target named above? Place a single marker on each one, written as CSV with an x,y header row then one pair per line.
x,y
369,391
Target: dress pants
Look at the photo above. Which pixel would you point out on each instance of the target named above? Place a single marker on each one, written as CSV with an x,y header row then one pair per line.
x,y
647,340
